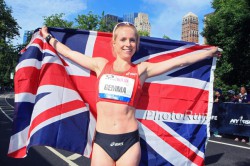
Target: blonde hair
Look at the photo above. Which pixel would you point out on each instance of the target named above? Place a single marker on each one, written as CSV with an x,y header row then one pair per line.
x,y
126,24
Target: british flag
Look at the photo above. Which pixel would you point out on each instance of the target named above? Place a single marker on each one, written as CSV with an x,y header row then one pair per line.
x,y
55,99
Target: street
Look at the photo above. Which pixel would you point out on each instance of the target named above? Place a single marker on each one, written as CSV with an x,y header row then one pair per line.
x,y
220,151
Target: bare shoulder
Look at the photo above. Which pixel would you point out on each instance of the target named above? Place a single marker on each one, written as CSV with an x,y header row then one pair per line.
x,y
99,63
142,67
142,71
101,60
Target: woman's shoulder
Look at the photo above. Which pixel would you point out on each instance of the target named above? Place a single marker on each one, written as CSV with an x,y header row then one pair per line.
x,y
100,61
100,64
141,66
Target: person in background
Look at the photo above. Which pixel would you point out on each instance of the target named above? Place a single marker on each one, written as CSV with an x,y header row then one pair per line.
x,y
248,101
231,97
218,98
243,139
248,94
242,96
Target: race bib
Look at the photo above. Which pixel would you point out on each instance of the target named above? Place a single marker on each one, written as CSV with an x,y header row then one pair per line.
x,y
116,87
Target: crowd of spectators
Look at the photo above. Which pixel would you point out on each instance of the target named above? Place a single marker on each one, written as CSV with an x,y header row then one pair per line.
x,y
232,97
242,97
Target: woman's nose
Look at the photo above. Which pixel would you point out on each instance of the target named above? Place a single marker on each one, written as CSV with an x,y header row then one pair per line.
x,y
128,43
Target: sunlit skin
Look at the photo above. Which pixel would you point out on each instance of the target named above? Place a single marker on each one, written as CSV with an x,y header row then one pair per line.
x,y
114,118
121,117
125,44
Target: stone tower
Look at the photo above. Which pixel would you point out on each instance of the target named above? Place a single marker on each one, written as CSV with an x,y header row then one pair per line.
x,y
190,31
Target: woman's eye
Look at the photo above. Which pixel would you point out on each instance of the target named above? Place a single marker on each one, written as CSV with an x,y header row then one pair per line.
x,y
125,39
132,40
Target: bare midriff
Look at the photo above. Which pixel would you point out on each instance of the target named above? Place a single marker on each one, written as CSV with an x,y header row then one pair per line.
x,y
114,118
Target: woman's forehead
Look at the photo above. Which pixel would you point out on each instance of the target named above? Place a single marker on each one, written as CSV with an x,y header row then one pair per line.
x,y
125,31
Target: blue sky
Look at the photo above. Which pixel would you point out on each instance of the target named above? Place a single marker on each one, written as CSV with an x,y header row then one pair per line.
x,y
165,15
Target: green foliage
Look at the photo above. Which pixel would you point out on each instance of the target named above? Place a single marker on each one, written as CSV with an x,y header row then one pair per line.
x,y
105,26
8,53
8,25
143,33
56,20
229,28
166,37
87,22
8,61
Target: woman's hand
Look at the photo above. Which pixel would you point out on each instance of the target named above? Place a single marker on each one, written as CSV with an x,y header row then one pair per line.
x,y
44,31
216,52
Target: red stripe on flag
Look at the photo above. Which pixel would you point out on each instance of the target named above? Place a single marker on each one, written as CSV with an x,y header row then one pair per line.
x,y
26,80
103,46
173,98
55,74
20,153
87,91
174,54
38,42
173,142
44,45
55,111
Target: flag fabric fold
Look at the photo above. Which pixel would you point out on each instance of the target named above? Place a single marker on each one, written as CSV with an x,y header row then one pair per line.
x,y
55,99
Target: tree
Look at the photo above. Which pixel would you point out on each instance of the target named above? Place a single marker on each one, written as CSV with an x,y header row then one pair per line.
x,y
105,25
166,37
8,54
8,61
143,33
229,28
56,20
87,22
8,25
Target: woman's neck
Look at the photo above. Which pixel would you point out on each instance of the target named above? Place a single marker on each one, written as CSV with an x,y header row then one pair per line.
x,y
121,65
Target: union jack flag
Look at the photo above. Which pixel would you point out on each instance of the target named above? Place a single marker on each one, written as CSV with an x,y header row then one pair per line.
x,y
55,99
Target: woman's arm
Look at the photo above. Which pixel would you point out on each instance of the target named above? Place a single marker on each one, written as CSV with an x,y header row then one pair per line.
x,y
94,64
153,69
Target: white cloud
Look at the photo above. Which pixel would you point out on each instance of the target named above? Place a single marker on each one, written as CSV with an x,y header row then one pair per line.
x,y
168,18
29,14
165,15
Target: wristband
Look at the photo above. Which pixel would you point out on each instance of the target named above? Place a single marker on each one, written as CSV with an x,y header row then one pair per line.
x,y
48,38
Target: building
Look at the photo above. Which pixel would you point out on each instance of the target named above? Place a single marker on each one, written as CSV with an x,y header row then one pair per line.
x,y
26,36
111,19
142,22
130,17
190,32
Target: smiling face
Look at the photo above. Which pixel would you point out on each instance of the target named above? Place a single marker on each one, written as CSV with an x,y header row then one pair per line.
x,y
125,40
124,43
